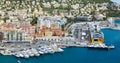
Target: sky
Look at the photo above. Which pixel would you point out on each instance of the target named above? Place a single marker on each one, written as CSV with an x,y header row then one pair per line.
x,y
117,1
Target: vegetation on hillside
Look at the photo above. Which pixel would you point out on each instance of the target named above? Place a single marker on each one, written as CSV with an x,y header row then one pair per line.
x,y
96,1
34,21
85,1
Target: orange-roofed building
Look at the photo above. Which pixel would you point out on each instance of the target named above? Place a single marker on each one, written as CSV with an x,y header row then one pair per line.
x,y
56,31
54,25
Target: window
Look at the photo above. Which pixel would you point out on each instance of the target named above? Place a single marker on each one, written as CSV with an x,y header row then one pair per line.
x,y
95,39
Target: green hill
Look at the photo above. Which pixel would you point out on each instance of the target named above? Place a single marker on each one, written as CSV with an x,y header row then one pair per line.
x,y
97,1
85,1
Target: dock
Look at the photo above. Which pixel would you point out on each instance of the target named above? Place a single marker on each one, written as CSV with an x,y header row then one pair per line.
x,y
48,45
97,46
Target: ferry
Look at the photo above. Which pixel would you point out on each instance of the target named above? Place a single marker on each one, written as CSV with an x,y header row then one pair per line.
x,y
97,39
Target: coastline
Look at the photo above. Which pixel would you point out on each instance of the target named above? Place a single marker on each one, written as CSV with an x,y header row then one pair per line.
x,y
43,45
78,53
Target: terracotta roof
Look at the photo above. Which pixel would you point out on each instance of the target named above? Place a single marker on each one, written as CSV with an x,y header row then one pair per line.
x,y
54,24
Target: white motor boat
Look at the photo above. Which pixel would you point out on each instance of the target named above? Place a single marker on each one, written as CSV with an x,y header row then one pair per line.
x,y
37,54
26,56
21,55
17,55
60,50
31,54
45,51
51,51
40,52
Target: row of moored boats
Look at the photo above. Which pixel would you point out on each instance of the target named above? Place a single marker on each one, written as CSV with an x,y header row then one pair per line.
x,y
26,53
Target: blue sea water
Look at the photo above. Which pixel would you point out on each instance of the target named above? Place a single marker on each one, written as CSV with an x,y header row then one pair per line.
x,y
78,55
117,21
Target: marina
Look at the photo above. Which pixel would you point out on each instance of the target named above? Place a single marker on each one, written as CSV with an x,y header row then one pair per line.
x,y
29,50
89,36
80,54
59,31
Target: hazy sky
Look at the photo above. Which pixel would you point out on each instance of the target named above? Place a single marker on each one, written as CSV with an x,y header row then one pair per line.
x,y
117,1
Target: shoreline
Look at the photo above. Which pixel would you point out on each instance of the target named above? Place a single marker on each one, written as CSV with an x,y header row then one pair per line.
x,y
44,45
44,50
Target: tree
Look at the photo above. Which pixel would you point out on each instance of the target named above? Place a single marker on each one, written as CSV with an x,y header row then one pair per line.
x,y
4,19
34,21
63,27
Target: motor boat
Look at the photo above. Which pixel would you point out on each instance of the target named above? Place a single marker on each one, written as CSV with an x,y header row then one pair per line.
x,y
60,50
40,52
26,55
21,55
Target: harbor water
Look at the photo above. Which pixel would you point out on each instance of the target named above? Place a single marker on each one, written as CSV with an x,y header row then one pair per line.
x,y
78,55
117,21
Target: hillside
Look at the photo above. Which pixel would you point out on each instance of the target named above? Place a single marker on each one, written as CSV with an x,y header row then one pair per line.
x,y
85,1
97,1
